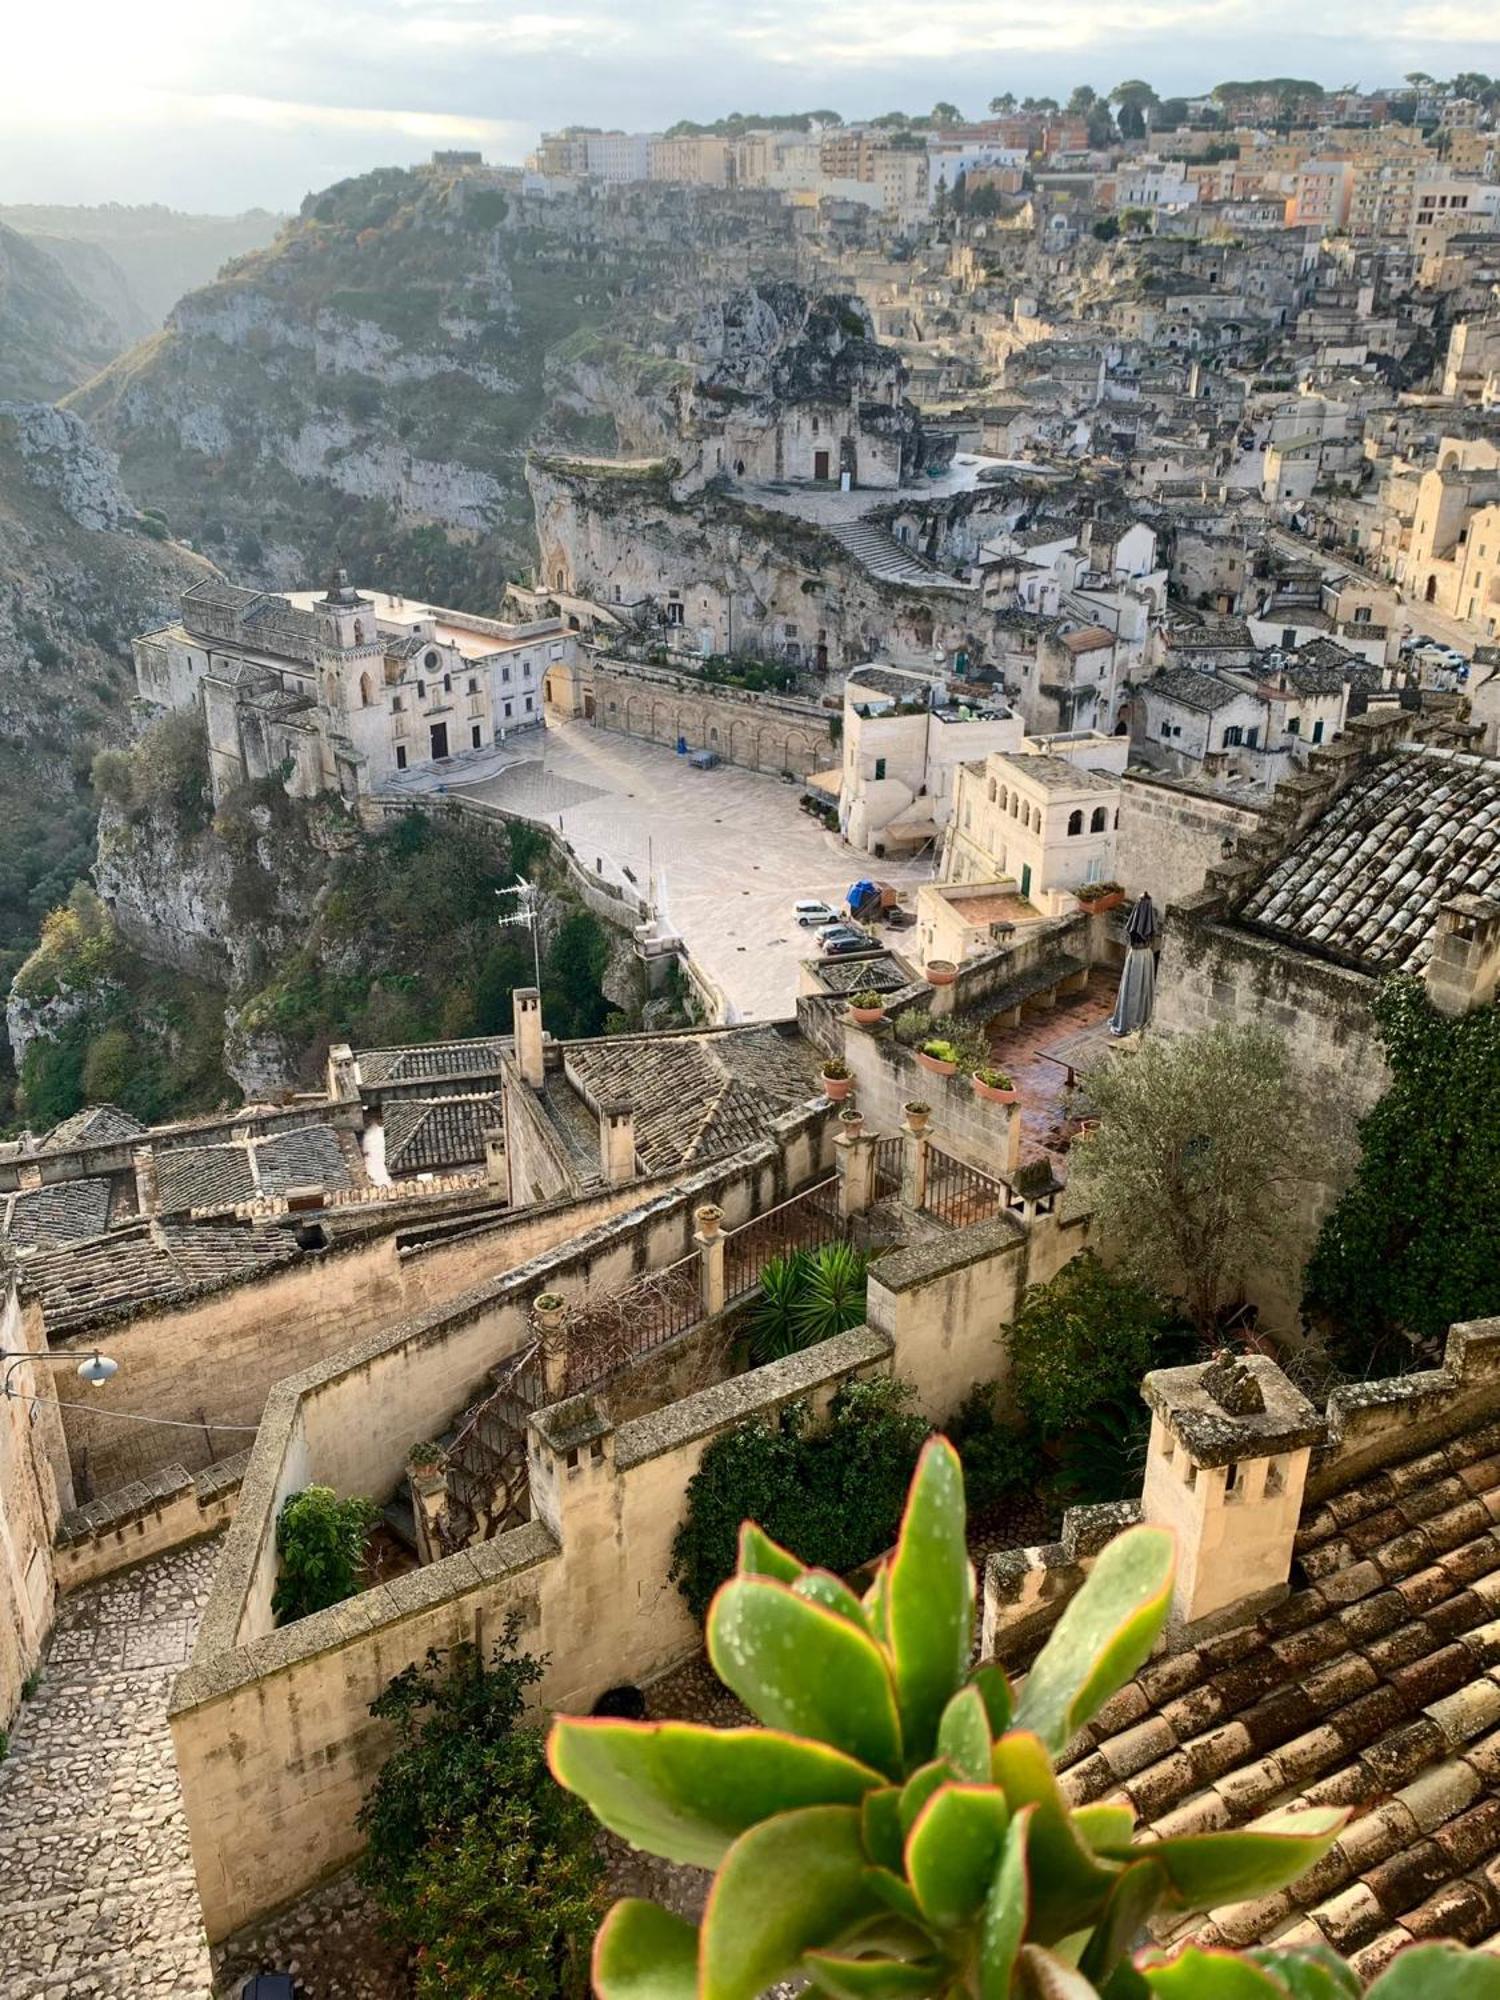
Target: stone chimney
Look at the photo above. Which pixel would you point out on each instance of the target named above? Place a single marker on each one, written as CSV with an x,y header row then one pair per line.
x,y
343,1075
617,1142
1226,1467
496,1166
526,1007
1464,968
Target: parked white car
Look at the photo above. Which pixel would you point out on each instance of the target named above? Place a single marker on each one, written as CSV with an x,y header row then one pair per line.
x,y
813,915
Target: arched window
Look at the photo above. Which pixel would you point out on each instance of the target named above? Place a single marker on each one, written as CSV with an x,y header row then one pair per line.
x,y
1075,824
1100,821
359,632
1015,805
994,791
1117,819
366,691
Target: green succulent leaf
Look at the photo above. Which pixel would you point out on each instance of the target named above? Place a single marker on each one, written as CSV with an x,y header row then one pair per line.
x,y
920,1787
1106,1828
800,1667
953,1850
964,1736
760,1556
1135,1895
1206,1869
877,1601
1211,1975
895,1893
1040,1975
995,1690
643,1952
930,1596
1006,1908
788,1886
1069,1882
686,1792
821,1586
881,1829
872,1978
1106,1632
1308,1972
1438,1972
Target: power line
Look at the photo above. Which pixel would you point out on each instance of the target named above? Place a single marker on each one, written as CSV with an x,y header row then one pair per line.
x,y
130,1416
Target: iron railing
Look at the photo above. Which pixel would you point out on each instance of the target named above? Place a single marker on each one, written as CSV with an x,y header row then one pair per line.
x,y
608,1333
888,1166
959,1194
806,1222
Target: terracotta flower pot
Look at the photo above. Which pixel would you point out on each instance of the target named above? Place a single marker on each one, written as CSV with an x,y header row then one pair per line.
x,y
936,1064
851,1123
1097,905
991,1095
917,1122
940,972
837,1088
866,1017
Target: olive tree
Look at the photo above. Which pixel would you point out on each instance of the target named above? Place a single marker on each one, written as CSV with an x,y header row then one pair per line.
x,y
1202,1144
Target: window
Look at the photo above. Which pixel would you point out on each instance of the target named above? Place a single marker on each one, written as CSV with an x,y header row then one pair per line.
x,y
1289,637
1362,614
1166,729
1233,736
1294,725
510,709
400,756
396,704
880,767
447,683
421,690
429,659
674,614
529,704
1075,824
505,675
476,736
1317,735
993,791
366,691
473,685
1252,736
1100,821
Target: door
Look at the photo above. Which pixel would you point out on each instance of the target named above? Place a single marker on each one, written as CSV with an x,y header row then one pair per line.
x,y
820,465
439,740
1026,878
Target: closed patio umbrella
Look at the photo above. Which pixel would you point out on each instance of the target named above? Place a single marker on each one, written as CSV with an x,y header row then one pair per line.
x,y
1137,994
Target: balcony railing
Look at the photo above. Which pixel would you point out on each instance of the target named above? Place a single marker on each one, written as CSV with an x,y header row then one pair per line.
x,y
806,1222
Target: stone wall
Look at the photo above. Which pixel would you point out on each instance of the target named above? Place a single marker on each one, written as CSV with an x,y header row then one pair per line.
x,y
164,1511
34,1488
212,1360
275,1744
757,732
1171,835
1212,974
887,1076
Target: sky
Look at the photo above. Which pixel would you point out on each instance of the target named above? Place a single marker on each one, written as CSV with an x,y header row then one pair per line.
x,y
221,105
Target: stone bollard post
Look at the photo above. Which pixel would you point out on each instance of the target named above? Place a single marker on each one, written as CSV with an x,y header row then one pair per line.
x,y
549,1317
914,1145
709,1238
427,1475
855,1149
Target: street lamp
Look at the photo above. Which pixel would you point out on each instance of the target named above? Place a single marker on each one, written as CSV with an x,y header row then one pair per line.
x,y
96,1369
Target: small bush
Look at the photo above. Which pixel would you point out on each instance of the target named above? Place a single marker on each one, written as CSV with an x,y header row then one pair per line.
x,y
321,1542
999,1460
807,1296
913,1027
1087,1335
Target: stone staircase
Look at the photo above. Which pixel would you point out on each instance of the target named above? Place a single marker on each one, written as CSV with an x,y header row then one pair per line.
x,y
889,561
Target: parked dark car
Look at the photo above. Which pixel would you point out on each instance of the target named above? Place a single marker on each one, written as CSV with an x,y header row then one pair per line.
x,y
845,941
269,1986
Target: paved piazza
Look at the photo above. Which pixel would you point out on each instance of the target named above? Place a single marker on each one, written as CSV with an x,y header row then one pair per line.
x,y
732,850
96,1888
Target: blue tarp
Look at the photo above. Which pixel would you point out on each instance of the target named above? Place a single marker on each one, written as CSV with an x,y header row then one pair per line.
x,y
861,894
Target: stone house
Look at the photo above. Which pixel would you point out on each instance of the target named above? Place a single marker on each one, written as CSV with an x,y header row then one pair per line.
x,y
1043,817
1255,725
904,737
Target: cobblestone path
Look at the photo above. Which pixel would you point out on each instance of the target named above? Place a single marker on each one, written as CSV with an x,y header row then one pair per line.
x,y
96,1888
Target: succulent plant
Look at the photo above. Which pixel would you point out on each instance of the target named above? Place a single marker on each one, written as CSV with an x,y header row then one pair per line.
x,y
895,1831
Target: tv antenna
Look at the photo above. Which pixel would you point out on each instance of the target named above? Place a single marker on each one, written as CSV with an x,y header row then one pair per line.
x,y
528,904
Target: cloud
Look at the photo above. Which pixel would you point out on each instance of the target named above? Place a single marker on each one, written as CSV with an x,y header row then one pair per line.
x,y
855,34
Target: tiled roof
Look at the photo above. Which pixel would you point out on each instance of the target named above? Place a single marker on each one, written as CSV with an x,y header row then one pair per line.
x,y
1190,687
1364,882
1220,634
474,1058
1375,1685
98,1125
432,1135
146,1264
696,1097
856,975
62,1213
306,1156
202,1177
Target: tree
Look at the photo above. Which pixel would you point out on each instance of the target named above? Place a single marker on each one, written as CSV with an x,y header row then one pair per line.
x,y
1039,104
1132,121
1107,228
896,1828
1101,127
321,1542
481,1866
1170,113
943,115
1414,1244
1086,1335
1004,103
1201,1143
1082,100
1135,90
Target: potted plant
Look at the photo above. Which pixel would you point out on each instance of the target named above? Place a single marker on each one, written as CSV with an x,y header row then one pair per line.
x,y
938,1056
995,1085
866,1008
708,1215
940,972
918,1116
851,1123
837,1082
1097,897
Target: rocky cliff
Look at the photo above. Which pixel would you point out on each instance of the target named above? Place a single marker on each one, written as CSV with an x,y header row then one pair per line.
x,y
51,336
366,388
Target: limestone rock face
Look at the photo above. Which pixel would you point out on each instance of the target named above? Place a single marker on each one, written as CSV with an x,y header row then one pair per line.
x,y
56,454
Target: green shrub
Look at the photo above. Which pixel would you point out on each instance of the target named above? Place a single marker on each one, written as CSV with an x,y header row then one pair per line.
x,y
832,1490
807,1296
999,1460
321,1542
482,1868
1086,1335
913,1027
